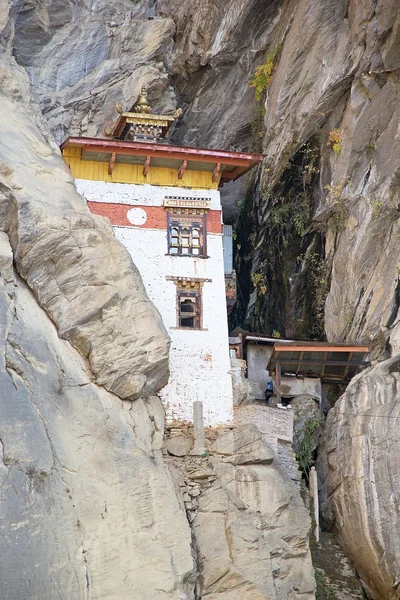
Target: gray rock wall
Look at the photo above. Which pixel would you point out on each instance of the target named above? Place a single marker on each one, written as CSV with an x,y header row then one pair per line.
x,y
250,527
338,69
88,509
359,476
87,506
80,274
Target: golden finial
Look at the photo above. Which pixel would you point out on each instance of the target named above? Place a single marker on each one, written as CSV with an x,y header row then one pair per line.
x,y
118,108
142,106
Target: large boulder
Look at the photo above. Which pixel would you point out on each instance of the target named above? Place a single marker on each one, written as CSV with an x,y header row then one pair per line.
x,y
306,421
87,507
80,274
251,529
359,472
243,445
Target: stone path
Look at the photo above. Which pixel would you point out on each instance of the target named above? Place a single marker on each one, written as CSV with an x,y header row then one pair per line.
x,y
338,580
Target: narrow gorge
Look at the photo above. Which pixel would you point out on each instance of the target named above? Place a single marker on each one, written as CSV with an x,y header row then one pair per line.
x,y
101,497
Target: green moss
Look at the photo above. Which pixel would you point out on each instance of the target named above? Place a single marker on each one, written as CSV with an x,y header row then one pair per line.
x,y
291,281
305,454
324,589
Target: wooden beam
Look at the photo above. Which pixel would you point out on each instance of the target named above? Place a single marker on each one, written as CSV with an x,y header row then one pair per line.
x,y
112,163
324,365
298,366
181,155
316,362
228,175
146,166
347,368
216,172
213,155
182,169
322,348
278,382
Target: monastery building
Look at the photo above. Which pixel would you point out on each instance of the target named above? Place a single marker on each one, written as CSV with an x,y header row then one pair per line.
x,y
164,204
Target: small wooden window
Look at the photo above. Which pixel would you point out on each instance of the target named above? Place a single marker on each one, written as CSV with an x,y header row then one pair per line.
x,y
187,233
174,241
189,306
189,301
189,313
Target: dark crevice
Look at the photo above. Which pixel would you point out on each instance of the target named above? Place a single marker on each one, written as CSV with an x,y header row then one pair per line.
x,y
282,275
395,306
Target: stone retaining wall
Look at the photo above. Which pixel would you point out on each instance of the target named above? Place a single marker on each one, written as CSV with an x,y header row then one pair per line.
x,y
275,423
277,426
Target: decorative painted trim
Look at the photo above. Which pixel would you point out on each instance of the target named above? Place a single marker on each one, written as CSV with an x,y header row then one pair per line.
x,y
172,202
182,280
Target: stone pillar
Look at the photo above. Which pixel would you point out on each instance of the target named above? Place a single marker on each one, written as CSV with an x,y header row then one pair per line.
x,y
314,500
198,423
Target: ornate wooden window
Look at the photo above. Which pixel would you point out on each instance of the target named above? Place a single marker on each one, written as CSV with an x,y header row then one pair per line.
x,y
187,232
189,302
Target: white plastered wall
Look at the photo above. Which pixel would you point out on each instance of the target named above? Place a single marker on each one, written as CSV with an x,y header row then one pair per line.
x,y
151,195
199,359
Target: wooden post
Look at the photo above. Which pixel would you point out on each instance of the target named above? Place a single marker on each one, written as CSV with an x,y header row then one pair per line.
x,y
314,500
146,166
112,163
182,169
278,382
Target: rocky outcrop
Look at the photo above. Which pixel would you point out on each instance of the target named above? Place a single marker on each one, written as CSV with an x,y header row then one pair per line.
x,y
82,60
306,421
336,73
251,530
88,509
80,274
319,226
358,469
241,386
250,527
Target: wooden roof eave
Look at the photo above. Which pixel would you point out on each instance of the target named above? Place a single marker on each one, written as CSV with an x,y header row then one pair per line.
x,y
122,146
228,166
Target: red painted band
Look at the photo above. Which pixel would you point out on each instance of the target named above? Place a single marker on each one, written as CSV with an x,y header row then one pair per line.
x,y
156,216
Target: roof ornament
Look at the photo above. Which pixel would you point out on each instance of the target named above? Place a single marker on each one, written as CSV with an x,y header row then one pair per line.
x,y
143,106
140,125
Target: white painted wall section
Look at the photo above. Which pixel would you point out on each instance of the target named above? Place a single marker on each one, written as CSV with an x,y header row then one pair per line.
x,y
131,193
199,359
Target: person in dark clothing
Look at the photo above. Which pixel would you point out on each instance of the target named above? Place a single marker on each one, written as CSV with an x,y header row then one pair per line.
x,y
269,392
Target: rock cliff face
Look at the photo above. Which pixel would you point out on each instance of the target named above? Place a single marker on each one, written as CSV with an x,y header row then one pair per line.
x,y
319,226
88,508
260,523
359,471
83,58
337,72
250,527
80,274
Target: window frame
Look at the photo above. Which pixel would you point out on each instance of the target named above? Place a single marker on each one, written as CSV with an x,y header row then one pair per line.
x,y
191,287
193,220
193,295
